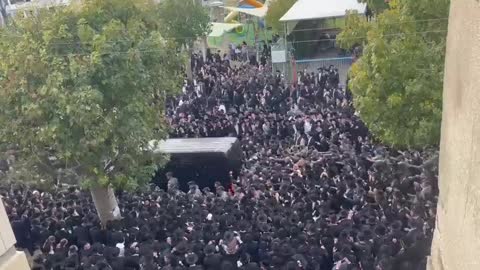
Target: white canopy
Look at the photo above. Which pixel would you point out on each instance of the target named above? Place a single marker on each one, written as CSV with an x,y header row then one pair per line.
x,y
257,12
218,29
321,9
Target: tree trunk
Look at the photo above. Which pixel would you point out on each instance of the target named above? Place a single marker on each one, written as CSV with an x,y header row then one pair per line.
x,y
105,203
204,48
188,68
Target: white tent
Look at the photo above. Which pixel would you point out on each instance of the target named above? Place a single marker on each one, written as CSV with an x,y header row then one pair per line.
x,y
321,9
218,29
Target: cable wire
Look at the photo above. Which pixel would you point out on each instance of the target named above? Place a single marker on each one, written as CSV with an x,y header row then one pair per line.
x,y
387,23
355,38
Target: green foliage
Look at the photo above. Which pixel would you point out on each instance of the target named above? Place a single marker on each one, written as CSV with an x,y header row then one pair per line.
x,y
354,32
276,10
376,6
184,21
82,91
397,83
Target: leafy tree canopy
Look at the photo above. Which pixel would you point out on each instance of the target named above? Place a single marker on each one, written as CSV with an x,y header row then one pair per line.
x,y
82,91
184,21
397,82
376,6
276,10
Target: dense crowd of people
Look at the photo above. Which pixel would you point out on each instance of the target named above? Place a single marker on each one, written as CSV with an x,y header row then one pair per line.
x,y
315,191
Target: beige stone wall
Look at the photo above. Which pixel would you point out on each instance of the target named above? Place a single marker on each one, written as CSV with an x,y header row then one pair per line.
x,y
456,244
10,259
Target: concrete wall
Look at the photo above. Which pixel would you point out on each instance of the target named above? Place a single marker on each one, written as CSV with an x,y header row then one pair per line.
x,y
456,244
10,259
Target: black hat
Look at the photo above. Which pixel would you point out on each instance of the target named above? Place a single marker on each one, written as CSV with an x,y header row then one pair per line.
x,y
286,250
302,249
367,233
243,225
344,234
181,247
300,258
264,227
230,220
228,236
282,233
361,237
277,219
380,230
371,221
299,206
295,230
396,225
294,219
191,258
209,250
262,218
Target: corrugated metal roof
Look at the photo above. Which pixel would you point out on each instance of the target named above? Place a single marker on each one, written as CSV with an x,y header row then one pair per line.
x,y
184,146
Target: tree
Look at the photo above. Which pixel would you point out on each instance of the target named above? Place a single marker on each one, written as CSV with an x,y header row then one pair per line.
x,y
184,22
355,31
82,93
376,6
276,10
397,83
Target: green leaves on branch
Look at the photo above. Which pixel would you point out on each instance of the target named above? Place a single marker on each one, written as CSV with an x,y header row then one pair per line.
x,y
276,10
397,83
82,91
184,21
376,6
355,31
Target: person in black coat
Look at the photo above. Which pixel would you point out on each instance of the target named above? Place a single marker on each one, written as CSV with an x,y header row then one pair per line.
x,y
22,230
81,234
212,260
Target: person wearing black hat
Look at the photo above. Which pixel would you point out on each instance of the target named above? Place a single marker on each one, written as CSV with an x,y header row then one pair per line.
x,y
212,259
22,230
192,259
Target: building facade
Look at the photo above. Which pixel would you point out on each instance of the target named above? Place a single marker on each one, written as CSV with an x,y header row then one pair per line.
x,y
10,258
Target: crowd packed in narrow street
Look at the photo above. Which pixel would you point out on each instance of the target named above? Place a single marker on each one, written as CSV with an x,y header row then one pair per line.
x,y
315,191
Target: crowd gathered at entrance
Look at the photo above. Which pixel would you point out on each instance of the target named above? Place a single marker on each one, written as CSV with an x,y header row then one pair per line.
x,y
315,191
